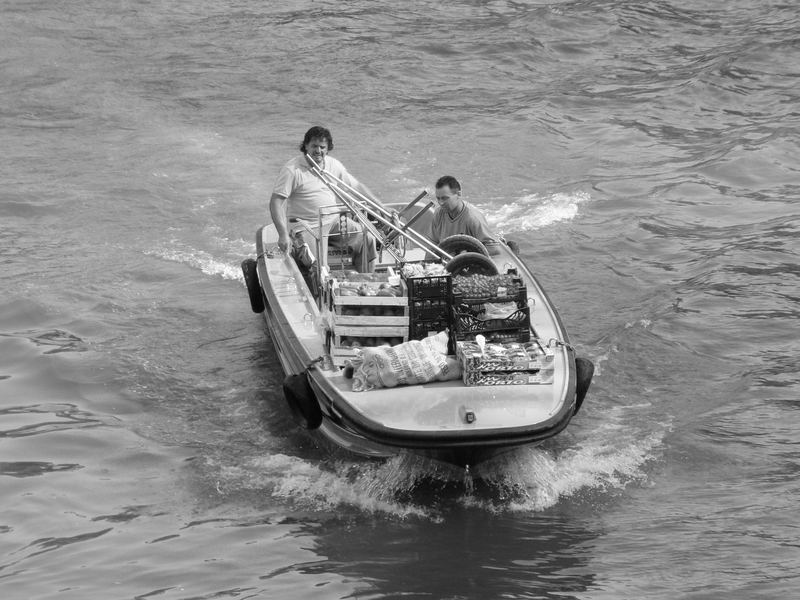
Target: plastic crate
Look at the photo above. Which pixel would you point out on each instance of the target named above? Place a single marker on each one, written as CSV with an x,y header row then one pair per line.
x,y
475,378
514,328
519,296
501,288
529,356
430,286
429,309
422,329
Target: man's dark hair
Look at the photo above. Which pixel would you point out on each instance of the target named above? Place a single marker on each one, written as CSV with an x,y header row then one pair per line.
x,y
449,181
314,133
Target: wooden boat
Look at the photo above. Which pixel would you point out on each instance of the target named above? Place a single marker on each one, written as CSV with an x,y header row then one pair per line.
x,y
445,420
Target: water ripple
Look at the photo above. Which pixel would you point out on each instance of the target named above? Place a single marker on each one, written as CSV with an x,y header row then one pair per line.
x,y
34,468
56,340
68,416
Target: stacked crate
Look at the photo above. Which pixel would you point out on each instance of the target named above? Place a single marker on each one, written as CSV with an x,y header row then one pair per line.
x,y
430,301
505,364
363,321
469,310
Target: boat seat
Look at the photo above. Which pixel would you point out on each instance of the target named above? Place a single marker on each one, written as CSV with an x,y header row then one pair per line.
x,y
331,255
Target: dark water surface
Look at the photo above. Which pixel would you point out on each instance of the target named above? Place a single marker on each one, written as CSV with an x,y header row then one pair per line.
x,y
644,155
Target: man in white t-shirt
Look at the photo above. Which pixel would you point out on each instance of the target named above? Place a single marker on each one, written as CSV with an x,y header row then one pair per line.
x,y
299,193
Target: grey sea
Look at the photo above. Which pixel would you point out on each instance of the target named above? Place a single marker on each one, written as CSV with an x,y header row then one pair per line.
x,y
644,155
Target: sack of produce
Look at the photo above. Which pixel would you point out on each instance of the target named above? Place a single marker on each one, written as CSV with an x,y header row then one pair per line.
x,y
410,363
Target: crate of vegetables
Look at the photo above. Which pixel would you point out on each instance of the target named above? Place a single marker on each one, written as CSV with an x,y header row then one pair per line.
x,y
346,340
429,309
511,356
505,363
427,281
365,310
367,303
478,288
475,378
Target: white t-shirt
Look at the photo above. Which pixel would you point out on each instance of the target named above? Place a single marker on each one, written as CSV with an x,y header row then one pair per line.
x,y
305,192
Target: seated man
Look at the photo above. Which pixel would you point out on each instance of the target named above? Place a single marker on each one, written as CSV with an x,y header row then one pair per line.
x,y
299,193
455,216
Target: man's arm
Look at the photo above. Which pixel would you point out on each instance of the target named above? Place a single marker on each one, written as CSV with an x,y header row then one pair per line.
x,y
277,209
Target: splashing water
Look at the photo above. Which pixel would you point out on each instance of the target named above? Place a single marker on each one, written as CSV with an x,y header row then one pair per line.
x,y
533,211
199,259
527,479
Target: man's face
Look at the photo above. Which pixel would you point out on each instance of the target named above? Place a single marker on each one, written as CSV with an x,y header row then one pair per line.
x,y
448,198
317,149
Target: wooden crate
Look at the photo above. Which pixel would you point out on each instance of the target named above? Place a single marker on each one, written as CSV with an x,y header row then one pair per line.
x,y
365,310
362,304
363,319
366,336
340,356
365,332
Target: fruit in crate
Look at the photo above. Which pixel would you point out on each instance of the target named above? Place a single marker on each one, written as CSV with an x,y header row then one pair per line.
x,y
423,270
387,290
485,286
356,277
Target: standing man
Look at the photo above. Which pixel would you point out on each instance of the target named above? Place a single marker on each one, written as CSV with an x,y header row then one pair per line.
x,y
298,194
455,216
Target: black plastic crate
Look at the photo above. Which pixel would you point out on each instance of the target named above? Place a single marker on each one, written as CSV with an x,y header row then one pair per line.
x,y
514,328
429,309
514,290
475,305
423,329
439,287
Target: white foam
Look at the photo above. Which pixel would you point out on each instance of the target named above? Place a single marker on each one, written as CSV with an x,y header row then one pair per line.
x,y
533,211
611,456
199,259
369,487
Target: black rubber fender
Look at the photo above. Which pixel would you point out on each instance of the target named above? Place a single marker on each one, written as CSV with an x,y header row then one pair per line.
x,y
471,263
301,400
456,244
249,269
584,371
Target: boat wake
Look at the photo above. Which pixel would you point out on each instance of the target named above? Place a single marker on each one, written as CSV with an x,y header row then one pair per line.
x,y
206,262
528,213
533,211
528,479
